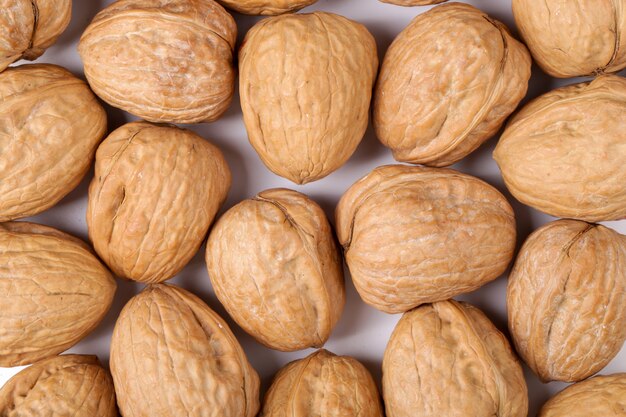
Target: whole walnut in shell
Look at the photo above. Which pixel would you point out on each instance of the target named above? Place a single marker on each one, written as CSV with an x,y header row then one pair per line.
x,y
67,385
162,60
414,235
266,7
447,84
274,265
413,2
155,193
53,292
448,359
324,385
171,355
305,84
574,38
564,152
29,27
47,145
567,299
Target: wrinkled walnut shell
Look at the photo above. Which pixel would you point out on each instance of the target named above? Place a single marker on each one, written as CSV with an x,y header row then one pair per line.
x,y
413,2
266,7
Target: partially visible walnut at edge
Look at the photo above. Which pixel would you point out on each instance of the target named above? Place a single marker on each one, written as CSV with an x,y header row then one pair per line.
x,y
413,2
266,7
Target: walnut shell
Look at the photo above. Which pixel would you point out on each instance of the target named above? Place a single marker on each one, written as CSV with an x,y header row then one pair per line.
x,y
448,359
564,152
53,292
162,60
413,2
67,385
413,235
305,84
567,299
47,146
447,84
325,385
600,396
574,38
171,355
155,193
266,7
274,265
29,27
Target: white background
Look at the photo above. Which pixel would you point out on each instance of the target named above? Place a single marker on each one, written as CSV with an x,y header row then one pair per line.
x,y
362,332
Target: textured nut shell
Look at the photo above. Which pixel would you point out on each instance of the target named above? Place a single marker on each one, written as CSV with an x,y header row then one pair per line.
x,y
448,359
574,38
447,84
564,152
274,265
413,235
162,60
567,299
325,385
413,2
266,7
29,27
306,83
171,355
47,146
67,385
53,292
600,396
155,192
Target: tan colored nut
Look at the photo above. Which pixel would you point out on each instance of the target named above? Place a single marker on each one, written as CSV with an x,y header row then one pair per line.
x,y
155,193
448,359
162,60
67,385
413,2
600,396
564,152
447,84
29,27
574,38
414,235
567,299
47,145
325,385
171,355
306,83
53,292
266,7
276,269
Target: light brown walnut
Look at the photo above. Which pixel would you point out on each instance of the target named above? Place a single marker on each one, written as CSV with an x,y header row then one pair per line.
x,y
266,7
413,2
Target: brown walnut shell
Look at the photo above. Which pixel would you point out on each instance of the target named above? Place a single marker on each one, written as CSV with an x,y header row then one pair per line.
x,y
171,355
66,385
447,84
47,145
448,359
564,152
155,193
324,385
567,299
275,267
266,7
306,83
53,292
413,2
162,60
414,235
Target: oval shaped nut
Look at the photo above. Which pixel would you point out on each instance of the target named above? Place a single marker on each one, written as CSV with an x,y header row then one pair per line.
x,y
323,384
47,146
29,27
413,2
447,84
305,83
574,38
53,292
61,386
448,359
566,299
414,235
266,7
162,60
275,267
155,193
599,396
563,153
171,355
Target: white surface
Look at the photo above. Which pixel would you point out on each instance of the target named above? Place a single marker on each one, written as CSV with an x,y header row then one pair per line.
x,y
362,332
